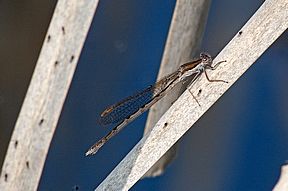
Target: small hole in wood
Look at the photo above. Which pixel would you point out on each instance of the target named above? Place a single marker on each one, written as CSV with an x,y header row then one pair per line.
x,y
41,121
63,30
72,58
240,33
165,124
199,92
16,144
6,177
56,63
27,164
48,38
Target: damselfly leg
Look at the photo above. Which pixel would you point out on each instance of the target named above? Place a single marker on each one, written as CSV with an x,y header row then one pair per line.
x,y
130,108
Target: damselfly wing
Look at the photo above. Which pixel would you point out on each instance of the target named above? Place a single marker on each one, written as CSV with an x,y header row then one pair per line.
x,y
128,109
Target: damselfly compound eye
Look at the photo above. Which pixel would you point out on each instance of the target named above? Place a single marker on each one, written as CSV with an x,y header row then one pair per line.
x,y
205,57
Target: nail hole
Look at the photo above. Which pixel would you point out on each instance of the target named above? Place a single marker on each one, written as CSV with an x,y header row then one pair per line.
x,y
41,121
240,32
6,177
48,38
27,164
63,30
72,58
56,63
199,92
165,124
16,144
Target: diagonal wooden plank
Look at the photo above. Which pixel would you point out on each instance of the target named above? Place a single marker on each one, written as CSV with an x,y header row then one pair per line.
x,y
264,27
184,39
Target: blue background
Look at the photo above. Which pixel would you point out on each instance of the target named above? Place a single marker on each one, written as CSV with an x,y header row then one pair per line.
x,y
239,144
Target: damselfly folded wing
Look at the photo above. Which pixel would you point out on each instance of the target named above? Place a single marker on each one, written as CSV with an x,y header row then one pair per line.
x,y
125,108
130,108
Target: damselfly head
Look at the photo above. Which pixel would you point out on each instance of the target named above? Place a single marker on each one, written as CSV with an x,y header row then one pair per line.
x,y
206,58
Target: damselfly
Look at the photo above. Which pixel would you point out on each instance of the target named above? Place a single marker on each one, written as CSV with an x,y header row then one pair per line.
x,y
128,109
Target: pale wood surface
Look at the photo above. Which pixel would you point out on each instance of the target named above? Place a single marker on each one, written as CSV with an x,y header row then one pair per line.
x,y
42,106
184,38
264,27
282,184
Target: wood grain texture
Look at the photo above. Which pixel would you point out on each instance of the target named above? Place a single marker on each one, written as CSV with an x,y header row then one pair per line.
x,y
42,106
263,28
184,39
